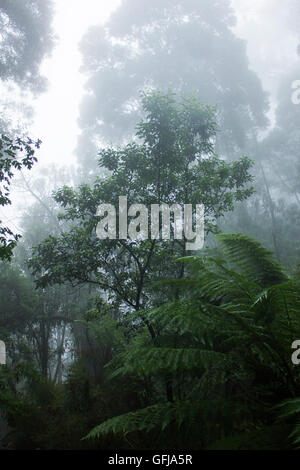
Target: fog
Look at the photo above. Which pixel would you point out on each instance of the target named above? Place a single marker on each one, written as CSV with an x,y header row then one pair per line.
x,y
113,329
271,45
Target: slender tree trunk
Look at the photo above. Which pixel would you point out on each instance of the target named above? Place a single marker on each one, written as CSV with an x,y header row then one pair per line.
x,y
271,209
60,350
44,349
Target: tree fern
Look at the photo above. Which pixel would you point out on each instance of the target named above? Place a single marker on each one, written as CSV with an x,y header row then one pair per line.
x,y
234,319
255,261
148,361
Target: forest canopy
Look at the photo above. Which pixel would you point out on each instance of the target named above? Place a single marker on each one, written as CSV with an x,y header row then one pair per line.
x,y
131,340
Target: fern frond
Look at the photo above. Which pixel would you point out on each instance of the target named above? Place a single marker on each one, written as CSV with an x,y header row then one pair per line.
x,y
255,261
145,419
149,361
152,417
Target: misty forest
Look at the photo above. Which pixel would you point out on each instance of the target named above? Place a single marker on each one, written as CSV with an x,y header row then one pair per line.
x,y
149,342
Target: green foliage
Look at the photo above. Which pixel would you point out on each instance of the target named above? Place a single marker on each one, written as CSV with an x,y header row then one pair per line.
x,y
17,300
288,412
209,375
172,160
127,344
255,261
165,360
15,154
146,419
222,349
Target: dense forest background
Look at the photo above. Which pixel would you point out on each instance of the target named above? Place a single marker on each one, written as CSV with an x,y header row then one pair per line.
x,y
141,344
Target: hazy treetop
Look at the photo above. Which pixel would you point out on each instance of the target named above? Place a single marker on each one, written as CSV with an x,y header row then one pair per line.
x,y
186,45
25,38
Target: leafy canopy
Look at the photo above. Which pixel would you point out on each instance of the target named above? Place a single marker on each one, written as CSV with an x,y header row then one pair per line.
x,y
171,160
183,44
26,37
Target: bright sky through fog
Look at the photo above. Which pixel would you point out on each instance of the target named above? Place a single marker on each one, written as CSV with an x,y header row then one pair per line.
x,y
271,44
56,111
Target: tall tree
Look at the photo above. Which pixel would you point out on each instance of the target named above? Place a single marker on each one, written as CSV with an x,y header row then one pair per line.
x,y
188,45
275,208
174,161
26,38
